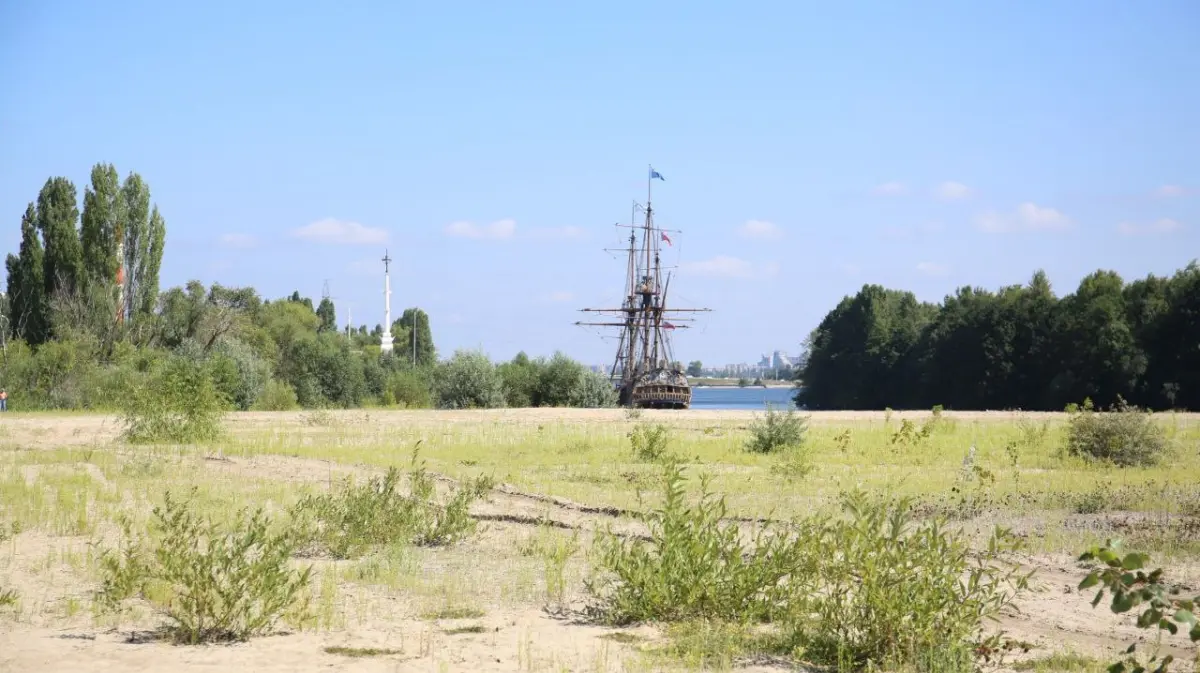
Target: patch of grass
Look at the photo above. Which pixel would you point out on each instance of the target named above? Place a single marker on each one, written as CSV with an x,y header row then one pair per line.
x,y
354,518
464,630
361,652
459,612
8,598
1060,662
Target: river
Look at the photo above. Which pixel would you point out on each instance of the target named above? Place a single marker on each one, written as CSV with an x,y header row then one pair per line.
x,y
732,397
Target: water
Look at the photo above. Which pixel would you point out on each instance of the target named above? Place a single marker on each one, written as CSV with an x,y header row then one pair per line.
x,y
732,397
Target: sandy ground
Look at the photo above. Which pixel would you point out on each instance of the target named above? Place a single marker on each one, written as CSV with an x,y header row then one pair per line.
x,y
1054,616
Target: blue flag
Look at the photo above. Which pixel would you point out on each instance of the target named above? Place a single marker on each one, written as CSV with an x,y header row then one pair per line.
x,y
656,174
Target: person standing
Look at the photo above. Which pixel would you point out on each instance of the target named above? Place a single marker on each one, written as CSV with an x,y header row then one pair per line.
x,y
3,400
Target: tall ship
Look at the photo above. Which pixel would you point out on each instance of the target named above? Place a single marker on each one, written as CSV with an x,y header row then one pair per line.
x,y
644,370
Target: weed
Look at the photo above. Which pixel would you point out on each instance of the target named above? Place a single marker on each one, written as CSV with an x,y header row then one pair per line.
x,y
795,464
693,566
179,403
1165,610
464,630
8,598
650,442
777,431
909,436
214,585
1124,436
346,522
453,613
633,413
842,441
873,606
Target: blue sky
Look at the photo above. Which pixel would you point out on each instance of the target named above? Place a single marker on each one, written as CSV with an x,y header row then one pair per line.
x,y
808,148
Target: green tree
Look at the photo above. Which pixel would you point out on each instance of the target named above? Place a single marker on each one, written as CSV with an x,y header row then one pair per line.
x,y
418,320
57,218
145,238
695,368
102,227
328,315
26,286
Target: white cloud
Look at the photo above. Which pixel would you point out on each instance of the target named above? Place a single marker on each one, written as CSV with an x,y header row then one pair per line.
x,y
890,189
1167,191
331,230
1028,216
931,269
952,191
1163,226
721,266
496,230
238,240
760,229
570,232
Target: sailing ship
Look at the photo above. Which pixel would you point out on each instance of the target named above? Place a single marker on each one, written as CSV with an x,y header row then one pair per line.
x,y
644,370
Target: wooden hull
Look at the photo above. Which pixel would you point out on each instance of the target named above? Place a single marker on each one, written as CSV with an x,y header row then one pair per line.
x,y
657,396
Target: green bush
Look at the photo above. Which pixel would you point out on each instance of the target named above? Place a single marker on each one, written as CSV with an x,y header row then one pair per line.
x,y
891,593
1124,436
409,389
694,565
871,591
178,403
650,442
213,584
276,396
777,431
354,518
468,380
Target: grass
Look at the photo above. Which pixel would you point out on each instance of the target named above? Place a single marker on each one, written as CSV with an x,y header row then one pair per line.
x,y
66,480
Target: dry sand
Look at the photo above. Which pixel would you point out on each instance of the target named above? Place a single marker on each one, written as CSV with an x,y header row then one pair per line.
x,y
1054,616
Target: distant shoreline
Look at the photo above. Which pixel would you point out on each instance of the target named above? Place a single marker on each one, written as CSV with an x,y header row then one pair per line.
x,y
733,383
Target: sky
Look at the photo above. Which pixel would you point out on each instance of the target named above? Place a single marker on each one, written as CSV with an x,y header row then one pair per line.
x,y
489,147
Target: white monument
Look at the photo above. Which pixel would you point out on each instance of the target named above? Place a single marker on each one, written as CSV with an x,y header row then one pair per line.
x,y
385,342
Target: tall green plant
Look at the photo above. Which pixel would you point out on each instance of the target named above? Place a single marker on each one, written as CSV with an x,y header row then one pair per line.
x,y
178,403
213,583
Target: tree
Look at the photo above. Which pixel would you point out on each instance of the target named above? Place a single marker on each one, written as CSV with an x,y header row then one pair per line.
x,y
102,227
26,285
416,319
328,315
695,368
57,216
145,237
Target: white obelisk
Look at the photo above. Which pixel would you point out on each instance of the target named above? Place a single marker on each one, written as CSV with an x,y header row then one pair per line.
x,y
385,342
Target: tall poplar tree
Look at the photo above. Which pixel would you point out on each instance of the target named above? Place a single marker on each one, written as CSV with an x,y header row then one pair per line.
x,y
102,227
26,285
57,218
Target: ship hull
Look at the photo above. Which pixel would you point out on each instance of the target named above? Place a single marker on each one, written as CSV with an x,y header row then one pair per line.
x,y
656,396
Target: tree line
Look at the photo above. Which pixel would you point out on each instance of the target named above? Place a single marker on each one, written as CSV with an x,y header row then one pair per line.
x,y
1020,347
83,323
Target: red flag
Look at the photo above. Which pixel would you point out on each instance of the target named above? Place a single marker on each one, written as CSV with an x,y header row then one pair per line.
x,y
667,325
665,237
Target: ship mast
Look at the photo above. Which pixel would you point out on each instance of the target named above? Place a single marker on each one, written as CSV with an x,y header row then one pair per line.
x,y
643,347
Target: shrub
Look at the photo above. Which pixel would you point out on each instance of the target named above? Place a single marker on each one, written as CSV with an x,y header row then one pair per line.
x,y
213,584
649,442
178,403
346,522
469,381
693,566
409,389
777,431
593,391
1125,436
872,591
276,396
891,593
